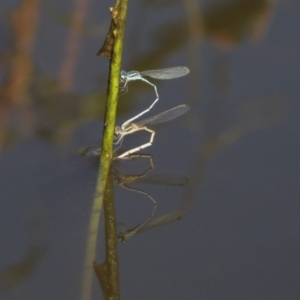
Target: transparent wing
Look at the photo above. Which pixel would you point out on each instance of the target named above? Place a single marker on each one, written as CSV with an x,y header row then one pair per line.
x,y
168,73
165,116
168,218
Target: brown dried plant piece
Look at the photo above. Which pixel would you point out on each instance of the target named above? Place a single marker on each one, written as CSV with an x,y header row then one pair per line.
x,y
108,44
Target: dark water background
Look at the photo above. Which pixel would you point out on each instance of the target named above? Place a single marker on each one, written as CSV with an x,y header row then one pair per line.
x,y
238,146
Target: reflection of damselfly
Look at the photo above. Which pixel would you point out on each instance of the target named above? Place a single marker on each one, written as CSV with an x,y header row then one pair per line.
x,y
162,74
121,132
125,180
147,224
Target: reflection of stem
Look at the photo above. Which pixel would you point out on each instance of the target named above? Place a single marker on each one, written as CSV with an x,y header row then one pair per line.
x,y
195,32
91,248
113,43
108,272
195,27
67,72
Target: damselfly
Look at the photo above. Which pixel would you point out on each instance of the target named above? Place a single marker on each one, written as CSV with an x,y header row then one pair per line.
x,y
121,132
162,74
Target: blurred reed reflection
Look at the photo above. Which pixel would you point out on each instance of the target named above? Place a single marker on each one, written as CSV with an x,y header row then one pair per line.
x,y
15,274
33,103
226,23
252,114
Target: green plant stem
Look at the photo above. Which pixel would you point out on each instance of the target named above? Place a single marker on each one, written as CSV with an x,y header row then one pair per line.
x,y
104,190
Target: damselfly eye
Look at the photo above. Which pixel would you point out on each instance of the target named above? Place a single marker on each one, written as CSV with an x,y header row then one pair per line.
x,y
123,74
117,130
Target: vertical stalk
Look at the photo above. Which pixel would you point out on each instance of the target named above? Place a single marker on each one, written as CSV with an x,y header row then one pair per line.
x,y
112,49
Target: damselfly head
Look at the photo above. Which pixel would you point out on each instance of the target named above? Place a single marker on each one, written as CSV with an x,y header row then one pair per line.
x,y
94,153
118,131
123,74
121,239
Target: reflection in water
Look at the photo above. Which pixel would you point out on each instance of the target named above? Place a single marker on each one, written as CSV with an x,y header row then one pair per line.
x,y
263,112
125,180
107,272
17,273
54,114
16,114
253,114
227,23
48,107
22,270
32,103
151,223
232,22
125,234
72,47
